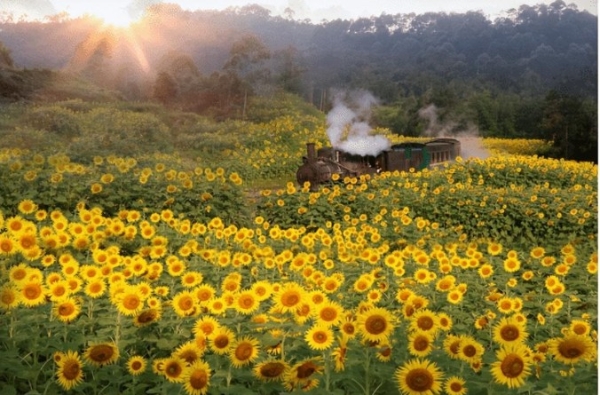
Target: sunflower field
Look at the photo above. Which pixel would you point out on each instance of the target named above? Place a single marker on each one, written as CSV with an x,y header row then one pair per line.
x,y
152,275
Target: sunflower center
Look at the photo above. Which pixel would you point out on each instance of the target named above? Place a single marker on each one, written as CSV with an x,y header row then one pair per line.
x,y
173,369
146,316
305,370
421,343
272,369
509,333
101,353
425,323
32,291
512,366
419,380
186,303
136,365
456,387
328,314
320,337
71,370
198,379
66,309
131,302
8,298
348,328
376,324
579,329
221,341
469,351
246,301
569,349
290,299
244,351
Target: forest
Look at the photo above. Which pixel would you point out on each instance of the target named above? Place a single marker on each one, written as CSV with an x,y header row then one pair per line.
x,y
529,74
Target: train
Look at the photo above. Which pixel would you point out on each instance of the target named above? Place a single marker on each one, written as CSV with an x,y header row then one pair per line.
x,y
319,166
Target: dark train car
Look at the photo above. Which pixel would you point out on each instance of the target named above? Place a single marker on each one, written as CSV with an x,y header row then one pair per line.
x,y
319,166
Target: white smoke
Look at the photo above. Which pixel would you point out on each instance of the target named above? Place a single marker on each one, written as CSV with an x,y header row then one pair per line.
x,y
471,142
348,124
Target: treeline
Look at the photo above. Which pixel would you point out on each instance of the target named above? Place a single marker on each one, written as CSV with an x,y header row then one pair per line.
x,y
532,73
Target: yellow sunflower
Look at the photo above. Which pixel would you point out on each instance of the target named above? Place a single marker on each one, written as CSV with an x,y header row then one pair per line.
x,y
173,369
33,294
271,370
244,351
419,377
246,302
319,337
147,317
289,297
101,354
469,350
513,365
189,352
509,331
69,371
329,313
420,343
9,296
205,325
572,348
455,386
66,310
424,320
196,378
221,340
184,304
136,365
375,324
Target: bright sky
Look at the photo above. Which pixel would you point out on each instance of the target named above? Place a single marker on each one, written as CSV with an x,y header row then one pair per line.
x,y
121,11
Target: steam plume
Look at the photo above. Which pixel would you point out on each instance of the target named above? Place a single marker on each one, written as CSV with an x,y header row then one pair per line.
x,y
471,143
347,124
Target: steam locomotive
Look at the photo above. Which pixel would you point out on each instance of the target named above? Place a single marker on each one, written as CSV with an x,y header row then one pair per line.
x,y
318,167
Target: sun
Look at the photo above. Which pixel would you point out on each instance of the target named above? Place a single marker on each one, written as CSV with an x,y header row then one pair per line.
x,y
111,15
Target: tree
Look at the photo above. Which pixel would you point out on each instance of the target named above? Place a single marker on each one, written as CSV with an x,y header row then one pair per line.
x,y
165,88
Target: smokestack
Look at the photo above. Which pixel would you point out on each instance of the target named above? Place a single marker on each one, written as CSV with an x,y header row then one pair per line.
x,y
311,152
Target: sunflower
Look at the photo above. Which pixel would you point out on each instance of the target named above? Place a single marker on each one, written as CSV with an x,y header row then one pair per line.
x,y
189,352
204,292
9,296
299,374
329,313
95,289
129,302
66,310
184,304
244,351
455,386
101,354
136,365
580,327
424,320
271,370
196,378
509,331
444,321
147,317
246,302
455,296
375,324
572,348
7,245
32,294
221,340
289,297
451,345
206,325
469,350
59,290
319,337
420,343
512,366
173,369
419,377
69,370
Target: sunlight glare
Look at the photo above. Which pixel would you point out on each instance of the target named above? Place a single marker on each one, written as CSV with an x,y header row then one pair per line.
x,y
115,16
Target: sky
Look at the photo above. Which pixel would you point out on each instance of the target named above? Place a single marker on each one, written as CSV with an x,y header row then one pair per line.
x,y
316,10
